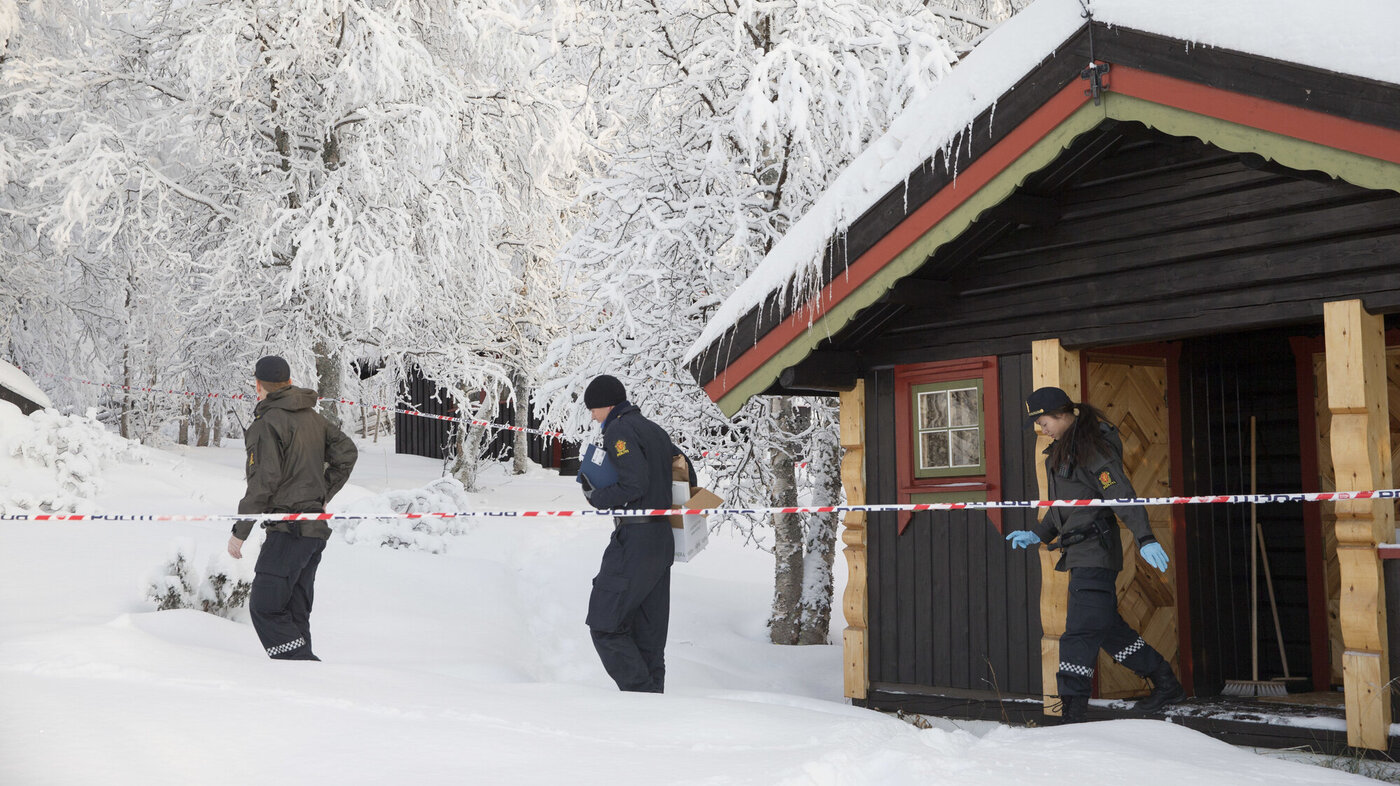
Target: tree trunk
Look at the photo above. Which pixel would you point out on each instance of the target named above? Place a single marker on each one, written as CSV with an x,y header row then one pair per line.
x,y
786,621
520,448
328,381
465,466
822,531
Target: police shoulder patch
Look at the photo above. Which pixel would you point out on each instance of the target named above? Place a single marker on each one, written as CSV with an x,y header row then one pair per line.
x,y
1105,479
620,448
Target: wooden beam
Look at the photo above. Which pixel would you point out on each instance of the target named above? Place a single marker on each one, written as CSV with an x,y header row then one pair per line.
x,y
856,602
823,371
1052,366
1357,399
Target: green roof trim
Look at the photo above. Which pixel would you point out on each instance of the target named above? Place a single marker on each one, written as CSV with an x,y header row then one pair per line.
x,y
1356,169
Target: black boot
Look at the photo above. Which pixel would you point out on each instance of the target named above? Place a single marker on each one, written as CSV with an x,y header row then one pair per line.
x,y
1165,690
1073,709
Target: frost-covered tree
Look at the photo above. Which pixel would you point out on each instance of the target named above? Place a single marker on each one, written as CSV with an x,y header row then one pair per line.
x,y
326,180
722,121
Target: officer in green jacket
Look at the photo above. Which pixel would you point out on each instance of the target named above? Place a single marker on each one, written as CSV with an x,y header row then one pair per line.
x,y
297,461
1085,461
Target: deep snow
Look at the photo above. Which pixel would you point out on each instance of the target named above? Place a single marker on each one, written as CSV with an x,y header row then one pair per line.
x,y
468,665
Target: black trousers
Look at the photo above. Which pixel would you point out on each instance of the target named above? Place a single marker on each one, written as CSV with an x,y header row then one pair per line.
x,y
630,606
1093,623
283,589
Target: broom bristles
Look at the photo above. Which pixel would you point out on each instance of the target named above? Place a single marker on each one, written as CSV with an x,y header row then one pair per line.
x,y
1254,688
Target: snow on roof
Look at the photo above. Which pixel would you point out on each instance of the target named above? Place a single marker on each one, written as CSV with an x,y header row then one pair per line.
x,y
17,381
1356,37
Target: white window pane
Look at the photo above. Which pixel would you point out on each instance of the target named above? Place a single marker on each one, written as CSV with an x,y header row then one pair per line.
x,y
934,449
933,410
966,445
963,407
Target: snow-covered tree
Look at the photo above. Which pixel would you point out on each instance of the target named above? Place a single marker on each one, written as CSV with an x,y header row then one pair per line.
x,y
324,180
722,123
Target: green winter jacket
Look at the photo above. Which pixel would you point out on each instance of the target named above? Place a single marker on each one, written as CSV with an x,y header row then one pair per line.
x,y
297,461
1102,477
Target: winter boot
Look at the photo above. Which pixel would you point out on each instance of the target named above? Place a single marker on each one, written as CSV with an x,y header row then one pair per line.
x,y
1165,690
1073,709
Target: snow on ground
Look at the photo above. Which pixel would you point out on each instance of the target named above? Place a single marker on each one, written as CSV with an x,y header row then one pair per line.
x,y
467,665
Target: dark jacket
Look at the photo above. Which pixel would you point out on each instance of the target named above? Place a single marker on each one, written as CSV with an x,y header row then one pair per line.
x,y
297,461
1101,477
641,452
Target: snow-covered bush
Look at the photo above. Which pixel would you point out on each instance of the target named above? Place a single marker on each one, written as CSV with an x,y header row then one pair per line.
x,y
221,589
442,495
53,463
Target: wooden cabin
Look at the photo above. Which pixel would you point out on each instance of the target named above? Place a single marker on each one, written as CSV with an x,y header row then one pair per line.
x,y
1193,236
17,388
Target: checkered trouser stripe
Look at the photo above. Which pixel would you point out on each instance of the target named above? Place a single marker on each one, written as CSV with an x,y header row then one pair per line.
x,y
1075,668
288,647
1130,649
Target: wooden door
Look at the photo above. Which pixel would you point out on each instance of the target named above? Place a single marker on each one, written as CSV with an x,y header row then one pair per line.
x,y
1132,392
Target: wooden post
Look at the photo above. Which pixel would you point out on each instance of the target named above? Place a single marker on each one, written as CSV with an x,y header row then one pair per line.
x,y
1357,398
856,646
1051,366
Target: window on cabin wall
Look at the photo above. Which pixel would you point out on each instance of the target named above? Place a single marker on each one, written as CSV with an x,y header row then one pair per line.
x,y
948,418
948,433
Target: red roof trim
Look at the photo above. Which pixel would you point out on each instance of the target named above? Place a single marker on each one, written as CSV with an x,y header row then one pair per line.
x,y
968,182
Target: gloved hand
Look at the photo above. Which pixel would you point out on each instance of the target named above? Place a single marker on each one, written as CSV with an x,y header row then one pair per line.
x,y
1155,555
587,486
1023,539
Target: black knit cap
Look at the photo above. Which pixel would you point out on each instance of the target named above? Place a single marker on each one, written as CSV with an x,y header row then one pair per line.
x,y
272,369
604,391
1045,400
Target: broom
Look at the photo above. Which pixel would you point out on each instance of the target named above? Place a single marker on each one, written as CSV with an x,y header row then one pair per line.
x,y
1254,686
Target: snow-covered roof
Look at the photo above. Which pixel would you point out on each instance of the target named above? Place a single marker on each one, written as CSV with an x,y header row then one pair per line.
x,y
1354,37
18,382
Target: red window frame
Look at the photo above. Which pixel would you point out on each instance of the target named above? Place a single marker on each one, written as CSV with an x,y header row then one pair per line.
x,y
989,482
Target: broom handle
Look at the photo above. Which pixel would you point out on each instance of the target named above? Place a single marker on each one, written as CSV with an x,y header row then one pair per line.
x,y
1269,582
1253,563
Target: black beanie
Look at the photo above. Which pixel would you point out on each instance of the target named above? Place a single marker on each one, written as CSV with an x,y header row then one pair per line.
x,y
604,391
272,369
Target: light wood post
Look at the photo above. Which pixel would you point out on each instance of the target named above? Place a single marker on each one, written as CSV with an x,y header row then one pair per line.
x,y
856,647
1051,366
1357,398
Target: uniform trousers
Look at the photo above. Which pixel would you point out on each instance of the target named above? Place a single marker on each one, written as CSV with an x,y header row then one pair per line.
x,y
283,589
630,606
1093,623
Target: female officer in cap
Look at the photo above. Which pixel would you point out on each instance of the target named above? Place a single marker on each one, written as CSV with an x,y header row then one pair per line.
x,y
1085,461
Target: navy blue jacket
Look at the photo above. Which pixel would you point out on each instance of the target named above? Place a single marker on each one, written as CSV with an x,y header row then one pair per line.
x,y
641,452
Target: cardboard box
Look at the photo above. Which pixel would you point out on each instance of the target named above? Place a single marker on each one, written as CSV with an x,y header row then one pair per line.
x,y
692,532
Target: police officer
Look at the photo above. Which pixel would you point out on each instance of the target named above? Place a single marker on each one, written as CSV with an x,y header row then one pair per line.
x,y
1085,461
297,461
630,605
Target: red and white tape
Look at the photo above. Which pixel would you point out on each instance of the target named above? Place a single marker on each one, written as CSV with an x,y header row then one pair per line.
x,y
1324,496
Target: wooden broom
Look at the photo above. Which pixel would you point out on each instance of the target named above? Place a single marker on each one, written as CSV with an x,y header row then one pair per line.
x,y
1254,686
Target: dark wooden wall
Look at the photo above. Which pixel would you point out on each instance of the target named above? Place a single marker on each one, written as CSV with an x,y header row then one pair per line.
x,y
951,605
1157,238
1223,383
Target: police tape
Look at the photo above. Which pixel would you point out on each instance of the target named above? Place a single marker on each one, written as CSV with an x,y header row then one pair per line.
x,y
921,507
134,389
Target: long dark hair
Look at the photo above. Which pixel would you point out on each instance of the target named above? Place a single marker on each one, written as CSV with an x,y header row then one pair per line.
x,y
1084,438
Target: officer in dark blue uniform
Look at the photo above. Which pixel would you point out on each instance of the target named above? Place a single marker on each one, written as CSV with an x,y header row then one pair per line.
x,y
1085,461
630,606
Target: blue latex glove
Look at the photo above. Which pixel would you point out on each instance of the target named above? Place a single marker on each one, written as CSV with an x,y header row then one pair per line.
x,y
1155,556
1023,539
